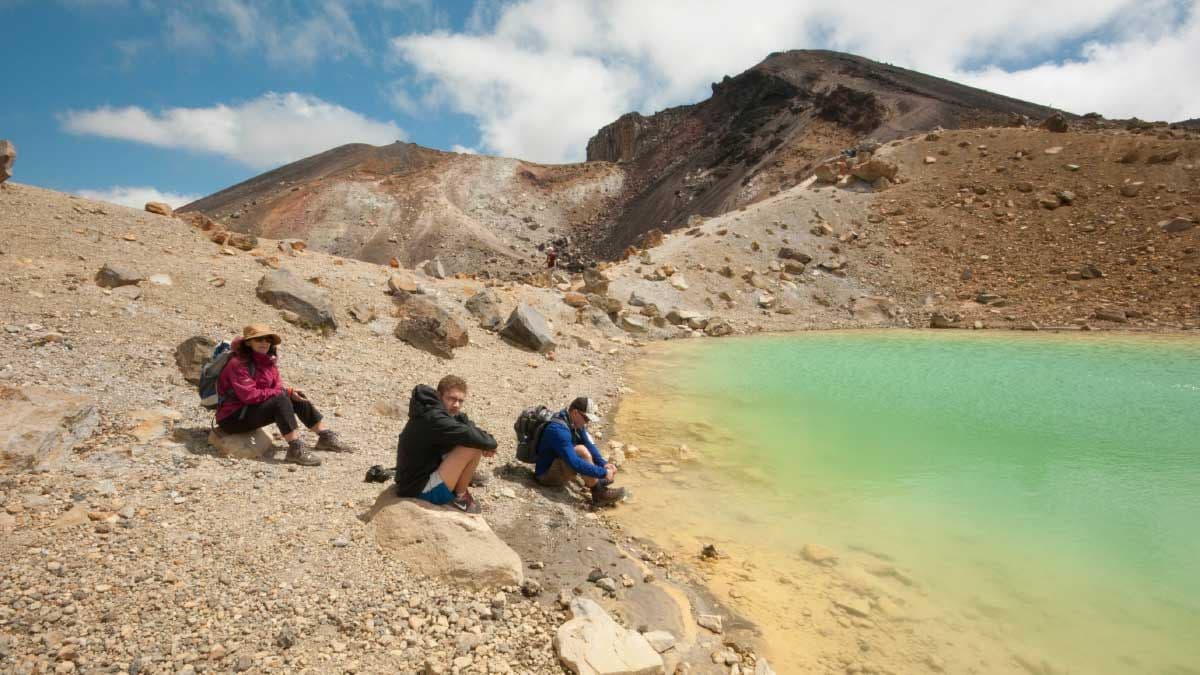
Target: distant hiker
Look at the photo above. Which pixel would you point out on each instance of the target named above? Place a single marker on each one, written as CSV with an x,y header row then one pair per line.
x,y
440,448
252,396
551,257
566,451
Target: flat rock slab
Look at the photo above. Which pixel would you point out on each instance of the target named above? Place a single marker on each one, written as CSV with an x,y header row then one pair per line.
x,y
591,643
438,541
42,426
254,445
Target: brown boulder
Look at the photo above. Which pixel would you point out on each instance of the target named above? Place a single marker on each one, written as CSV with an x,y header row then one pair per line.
x,y
114,276
575,299
874,169
428,327
1056,123
159,208
191,354
8,155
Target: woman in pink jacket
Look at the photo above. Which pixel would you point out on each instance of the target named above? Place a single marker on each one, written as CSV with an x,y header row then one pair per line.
x,y
253,396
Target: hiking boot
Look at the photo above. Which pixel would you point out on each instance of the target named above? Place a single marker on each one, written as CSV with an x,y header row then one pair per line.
x,y
466,503
603,495
329,441
298,454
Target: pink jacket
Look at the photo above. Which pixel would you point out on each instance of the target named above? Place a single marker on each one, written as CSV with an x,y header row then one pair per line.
x,y
240,389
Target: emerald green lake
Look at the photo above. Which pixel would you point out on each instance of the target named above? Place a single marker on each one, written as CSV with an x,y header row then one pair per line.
x,y
1042,489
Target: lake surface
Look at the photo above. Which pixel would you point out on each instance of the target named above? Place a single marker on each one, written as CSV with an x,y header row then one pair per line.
x,y
1039,495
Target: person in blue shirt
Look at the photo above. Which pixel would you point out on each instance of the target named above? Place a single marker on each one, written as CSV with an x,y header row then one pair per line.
x,y
566,451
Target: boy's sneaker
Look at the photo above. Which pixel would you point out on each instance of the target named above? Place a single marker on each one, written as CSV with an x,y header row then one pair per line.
x,y
466,503
603,495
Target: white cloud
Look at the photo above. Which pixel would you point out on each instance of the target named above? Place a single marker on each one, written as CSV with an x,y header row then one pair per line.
x,y
268,131
137,197
463,150
540,76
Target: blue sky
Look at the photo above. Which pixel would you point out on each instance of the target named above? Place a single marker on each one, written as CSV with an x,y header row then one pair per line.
x,y
131,99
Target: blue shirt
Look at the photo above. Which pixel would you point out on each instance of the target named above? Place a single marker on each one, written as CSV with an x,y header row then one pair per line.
x,y
559,441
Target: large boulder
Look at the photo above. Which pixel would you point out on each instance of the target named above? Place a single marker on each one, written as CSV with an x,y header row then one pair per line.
x,y
285,290
159,208
874,169
8,155
528,328
41,426
433,268
115,276
191,354
591,643
485,306
428,327
441,542
402,282
1056,123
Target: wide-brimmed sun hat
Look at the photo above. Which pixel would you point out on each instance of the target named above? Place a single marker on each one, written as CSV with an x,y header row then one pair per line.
x,y
257,330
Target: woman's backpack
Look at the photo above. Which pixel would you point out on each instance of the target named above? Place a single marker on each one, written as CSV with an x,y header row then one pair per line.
x,y
210,372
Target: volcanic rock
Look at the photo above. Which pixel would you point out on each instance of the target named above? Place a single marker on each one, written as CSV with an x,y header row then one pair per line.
x,y
485,306
8,155
874,169
591,643
191,354
528,328
42,426
114,276
442,543
426,326
1056,123
159,208
402,282
792,254
284,290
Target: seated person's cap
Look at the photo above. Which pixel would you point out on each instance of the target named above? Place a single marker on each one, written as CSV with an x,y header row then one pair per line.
x,y
586,406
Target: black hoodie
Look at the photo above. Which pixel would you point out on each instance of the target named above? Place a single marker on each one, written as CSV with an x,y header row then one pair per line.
x,y
430,433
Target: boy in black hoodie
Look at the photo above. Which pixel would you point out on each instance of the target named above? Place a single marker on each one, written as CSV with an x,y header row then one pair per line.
x,y
439,447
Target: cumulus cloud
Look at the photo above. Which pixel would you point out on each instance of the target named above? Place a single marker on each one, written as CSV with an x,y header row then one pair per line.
x,y
137,197
463,150
540,76
268,131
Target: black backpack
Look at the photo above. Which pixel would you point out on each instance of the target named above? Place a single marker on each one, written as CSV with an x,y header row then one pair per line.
x,y
529,426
